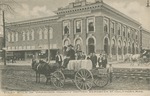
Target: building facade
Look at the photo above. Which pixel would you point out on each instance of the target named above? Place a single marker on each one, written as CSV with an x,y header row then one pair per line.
x,y
90,27
145,39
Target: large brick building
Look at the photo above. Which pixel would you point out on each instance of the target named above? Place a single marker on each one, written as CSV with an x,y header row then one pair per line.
x,y
90,27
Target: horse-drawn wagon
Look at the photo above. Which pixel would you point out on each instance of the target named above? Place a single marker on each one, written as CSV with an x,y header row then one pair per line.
x,y
82,74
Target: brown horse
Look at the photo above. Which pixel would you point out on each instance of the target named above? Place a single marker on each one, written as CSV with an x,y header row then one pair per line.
x,y
44,68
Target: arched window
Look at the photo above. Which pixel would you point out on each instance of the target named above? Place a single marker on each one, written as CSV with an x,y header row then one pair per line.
x,y
12,37
40,34
137,35
78,45
137,51
66,42
106,46
129,48
23,36
16,36
28,35
51,33
119,28
119,48
133,48
32,35
125,48
91,45
113,50
9,36
45,33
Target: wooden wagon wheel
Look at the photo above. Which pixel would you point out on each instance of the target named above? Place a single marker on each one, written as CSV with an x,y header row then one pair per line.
x,y
101,80
58,79
84,79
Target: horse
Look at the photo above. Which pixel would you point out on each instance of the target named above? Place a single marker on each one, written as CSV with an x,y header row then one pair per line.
x,y
127,58
132,58
44,68
135,58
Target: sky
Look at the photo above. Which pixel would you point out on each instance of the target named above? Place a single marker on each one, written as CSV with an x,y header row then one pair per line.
x,y
29,9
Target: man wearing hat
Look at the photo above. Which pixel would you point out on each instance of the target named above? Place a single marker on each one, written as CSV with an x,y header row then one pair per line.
x,y
93,58
71,52
58,59
100,60
70,55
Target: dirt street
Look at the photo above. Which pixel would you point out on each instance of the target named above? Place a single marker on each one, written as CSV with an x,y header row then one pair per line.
x,y
22,78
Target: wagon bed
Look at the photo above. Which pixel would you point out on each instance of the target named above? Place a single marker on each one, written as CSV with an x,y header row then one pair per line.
x,y
82,74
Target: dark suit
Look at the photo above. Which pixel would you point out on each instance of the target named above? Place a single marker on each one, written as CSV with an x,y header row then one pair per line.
x,y
71,54
100,61
59,60
104,61
94,60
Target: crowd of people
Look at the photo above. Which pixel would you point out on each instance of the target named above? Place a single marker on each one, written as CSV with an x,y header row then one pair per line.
x,y
71,54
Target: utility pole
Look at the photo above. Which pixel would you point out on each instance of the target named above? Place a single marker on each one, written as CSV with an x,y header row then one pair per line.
x,y
148,3
5,5
48,44
4,37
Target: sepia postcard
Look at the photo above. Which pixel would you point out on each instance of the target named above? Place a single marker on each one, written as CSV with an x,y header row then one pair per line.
x,y
75,47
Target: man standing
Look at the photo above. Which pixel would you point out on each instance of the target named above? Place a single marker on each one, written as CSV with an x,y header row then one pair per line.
x,y
58,59
100,60
94,60
104,60
71,53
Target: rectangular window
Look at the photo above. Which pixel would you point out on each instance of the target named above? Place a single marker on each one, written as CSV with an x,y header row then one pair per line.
x,y
66,27
20,47
28,47
128,32
123,30
106,23
137,35
24,47
119,28
91,24
12,37
112,27
13,48
78,26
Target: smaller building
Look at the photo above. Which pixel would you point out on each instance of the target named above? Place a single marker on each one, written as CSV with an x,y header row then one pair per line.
x,y
145,39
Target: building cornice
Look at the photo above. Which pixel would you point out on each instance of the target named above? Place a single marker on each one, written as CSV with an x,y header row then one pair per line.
x,y
92,7
67,12
33,21
119,13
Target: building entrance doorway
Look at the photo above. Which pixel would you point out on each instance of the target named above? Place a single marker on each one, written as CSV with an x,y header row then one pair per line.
x,y
91,46
106,46
133,49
